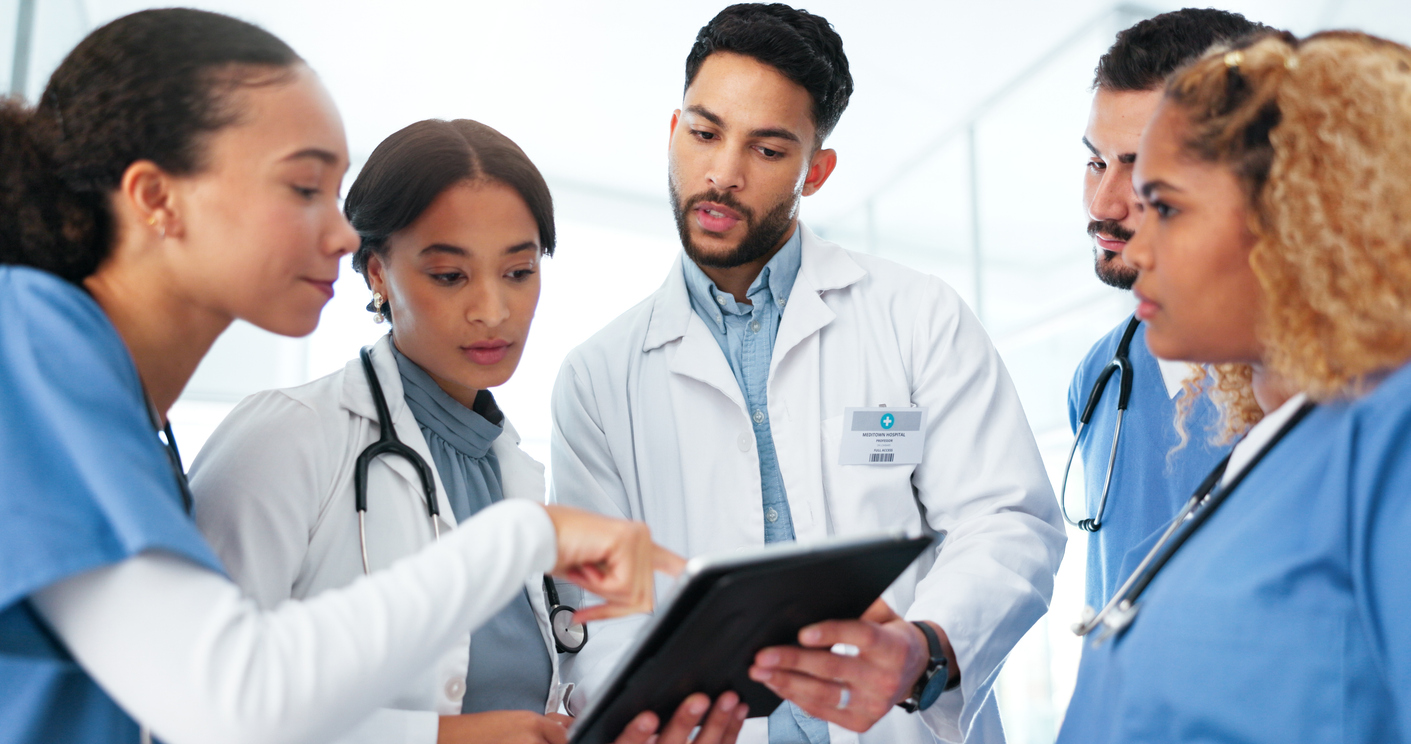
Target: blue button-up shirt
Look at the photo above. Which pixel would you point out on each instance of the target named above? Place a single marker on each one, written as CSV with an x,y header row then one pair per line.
x,y
746,335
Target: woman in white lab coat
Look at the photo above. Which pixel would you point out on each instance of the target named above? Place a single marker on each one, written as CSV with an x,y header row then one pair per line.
x,y
454,220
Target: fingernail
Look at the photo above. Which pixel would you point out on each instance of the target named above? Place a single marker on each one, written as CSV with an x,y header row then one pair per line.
x,y
742,712
728,702
760,675
811,635
698,707
644,725
768,658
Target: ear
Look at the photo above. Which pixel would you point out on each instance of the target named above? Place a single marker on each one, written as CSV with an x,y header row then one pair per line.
x,y
146,194
377,274
820,166
675,119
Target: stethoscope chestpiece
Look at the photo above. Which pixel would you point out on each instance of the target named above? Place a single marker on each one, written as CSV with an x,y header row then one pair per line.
x,y
569,636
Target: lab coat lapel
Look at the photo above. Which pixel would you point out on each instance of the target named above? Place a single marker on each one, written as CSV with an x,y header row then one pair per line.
x,y
357,398
698,356
824,266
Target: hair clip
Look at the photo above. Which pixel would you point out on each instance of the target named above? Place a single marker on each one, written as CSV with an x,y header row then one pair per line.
x,y
1234,59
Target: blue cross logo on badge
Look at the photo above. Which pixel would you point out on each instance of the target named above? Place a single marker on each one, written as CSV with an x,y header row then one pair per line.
x,y
888,420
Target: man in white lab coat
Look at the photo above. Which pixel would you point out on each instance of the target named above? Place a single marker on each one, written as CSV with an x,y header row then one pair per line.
x,y
714,411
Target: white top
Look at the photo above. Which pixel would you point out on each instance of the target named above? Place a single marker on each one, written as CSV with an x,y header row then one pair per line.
x,y
650,424
186,654
274,495
1259,435
1174,374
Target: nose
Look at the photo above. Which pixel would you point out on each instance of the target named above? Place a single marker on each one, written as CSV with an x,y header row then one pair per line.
x,y
726,171
342,238
1114,198
488,303
1138,253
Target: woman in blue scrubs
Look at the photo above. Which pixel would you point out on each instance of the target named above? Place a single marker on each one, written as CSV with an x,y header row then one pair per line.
x,y
181,170
1275,234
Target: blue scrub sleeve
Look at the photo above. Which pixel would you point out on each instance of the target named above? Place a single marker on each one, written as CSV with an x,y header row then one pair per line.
x,y
84,481
1376,467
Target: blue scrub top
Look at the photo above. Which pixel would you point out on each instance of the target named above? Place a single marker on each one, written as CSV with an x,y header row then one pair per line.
x,y
86,483
1150,483
1285,617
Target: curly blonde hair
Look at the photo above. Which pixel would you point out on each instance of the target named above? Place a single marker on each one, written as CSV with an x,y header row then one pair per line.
x,y
1319,132
1231,388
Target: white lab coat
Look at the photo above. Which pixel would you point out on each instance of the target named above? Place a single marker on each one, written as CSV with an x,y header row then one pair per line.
x,y
274,496
650,423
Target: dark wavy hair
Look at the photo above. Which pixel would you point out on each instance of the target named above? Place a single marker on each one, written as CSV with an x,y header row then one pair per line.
x,y
1145,54
148,86
801,45
416,164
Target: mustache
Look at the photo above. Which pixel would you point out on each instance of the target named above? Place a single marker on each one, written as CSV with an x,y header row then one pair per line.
x,y
1112,229
723,198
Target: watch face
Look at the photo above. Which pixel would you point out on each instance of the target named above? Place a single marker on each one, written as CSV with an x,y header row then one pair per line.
x,y
934,687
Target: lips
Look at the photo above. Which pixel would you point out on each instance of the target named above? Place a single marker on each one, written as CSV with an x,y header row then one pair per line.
x,y
324,286
1108,244
487,352
716,218
1146,308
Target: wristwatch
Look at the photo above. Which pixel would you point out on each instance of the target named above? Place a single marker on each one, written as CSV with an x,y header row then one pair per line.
x,y
936,677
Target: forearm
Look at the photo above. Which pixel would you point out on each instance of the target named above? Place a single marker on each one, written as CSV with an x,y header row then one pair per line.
x,y
183,651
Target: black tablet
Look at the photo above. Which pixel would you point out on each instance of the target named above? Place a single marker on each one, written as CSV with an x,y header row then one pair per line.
x,y
728,608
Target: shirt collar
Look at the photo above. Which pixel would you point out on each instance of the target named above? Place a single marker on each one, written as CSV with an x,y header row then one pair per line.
x,y
773,283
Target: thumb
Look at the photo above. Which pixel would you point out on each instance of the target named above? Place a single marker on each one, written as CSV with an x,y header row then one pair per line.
x,y
880,613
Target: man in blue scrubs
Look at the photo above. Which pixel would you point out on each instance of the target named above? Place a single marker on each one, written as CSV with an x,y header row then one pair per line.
x,y
1151,477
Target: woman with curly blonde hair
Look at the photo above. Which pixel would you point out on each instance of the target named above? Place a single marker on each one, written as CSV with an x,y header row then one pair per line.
x,y
1275,247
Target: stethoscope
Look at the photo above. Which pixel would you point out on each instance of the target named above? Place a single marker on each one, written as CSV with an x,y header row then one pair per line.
x,y
1122,366
569,637
1121,610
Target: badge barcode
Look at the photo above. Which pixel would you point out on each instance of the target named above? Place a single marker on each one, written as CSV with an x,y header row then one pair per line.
x,y
881,457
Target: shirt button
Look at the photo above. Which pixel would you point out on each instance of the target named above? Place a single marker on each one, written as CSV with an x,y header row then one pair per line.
x,y
754,327
782,300
455,689
744,443
771,514
759,417
720,299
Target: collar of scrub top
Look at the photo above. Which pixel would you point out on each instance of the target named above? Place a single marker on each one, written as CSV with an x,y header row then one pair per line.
x,y
1121,365
1121,610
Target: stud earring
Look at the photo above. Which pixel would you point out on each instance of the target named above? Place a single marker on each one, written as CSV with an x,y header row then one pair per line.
x,y
377,303
161,231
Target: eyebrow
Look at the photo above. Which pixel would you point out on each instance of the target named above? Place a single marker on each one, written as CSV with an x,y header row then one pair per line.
x,y
1151,186
1127,157
775,132
317,154
453,250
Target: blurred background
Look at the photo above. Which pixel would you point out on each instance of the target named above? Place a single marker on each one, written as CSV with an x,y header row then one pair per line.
x,y
959,156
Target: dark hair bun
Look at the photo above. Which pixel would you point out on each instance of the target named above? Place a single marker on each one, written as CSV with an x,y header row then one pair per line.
x,y
42,223
147,86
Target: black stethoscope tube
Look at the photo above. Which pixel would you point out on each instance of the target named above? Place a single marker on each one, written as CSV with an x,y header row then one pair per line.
x,y
1121,610
1121,365
569,637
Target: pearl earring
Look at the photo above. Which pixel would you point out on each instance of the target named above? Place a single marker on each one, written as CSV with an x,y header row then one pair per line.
x,y
377,303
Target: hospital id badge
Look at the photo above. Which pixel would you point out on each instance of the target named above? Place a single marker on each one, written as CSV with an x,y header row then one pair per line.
x,y
883,436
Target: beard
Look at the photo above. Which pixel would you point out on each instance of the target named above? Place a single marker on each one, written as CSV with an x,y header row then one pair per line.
x,y
762,235
1108,265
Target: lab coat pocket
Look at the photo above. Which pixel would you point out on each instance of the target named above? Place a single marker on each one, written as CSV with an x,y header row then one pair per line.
x,y
865,498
